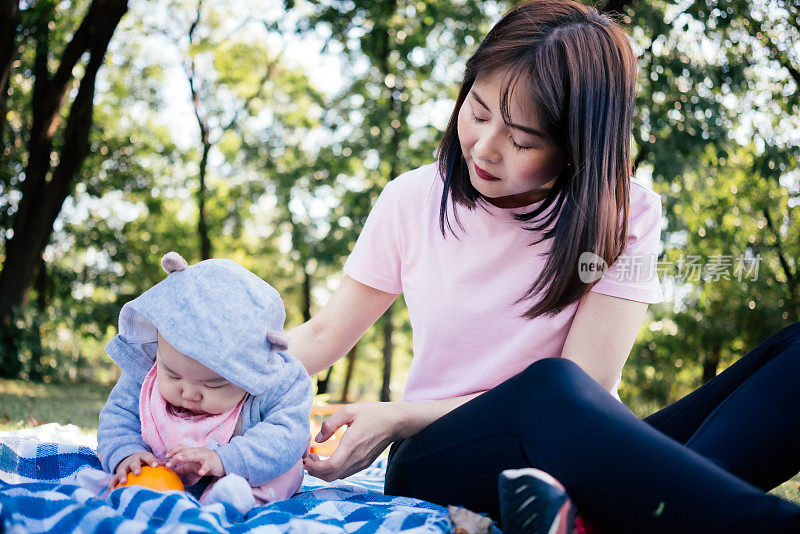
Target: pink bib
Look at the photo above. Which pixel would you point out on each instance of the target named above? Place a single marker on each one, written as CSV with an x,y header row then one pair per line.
x,y
165,426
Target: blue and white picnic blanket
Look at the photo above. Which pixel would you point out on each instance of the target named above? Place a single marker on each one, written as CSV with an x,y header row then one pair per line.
x,y
58,487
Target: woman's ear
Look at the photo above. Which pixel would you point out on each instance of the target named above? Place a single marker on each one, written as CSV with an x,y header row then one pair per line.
x,y
278,341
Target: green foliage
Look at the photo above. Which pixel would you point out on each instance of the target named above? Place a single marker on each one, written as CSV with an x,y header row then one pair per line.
x,y
725,167
295,168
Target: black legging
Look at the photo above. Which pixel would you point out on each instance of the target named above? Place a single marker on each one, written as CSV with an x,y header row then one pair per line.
x,y
699,465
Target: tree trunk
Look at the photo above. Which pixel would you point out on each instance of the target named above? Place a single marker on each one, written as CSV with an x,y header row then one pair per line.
x,y
394,112
710,365
42,198
41,286
205,140
348,377
9,19
36,369
322,383
388,350
791,275
306,293
202,225
204,122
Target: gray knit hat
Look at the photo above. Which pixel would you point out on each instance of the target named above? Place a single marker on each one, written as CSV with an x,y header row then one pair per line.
x,y
216,312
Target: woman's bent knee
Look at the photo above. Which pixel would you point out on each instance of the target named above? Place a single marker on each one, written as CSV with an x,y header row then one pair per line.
x,y
561,383
553,373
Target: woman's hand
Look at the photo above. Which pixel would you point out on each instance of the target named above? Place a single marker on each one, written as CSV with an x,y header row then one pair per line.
x,y
371,427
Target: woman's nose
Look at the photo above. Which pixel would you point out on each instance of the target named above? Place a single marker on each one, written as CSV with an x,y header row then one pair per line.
x,y
486,147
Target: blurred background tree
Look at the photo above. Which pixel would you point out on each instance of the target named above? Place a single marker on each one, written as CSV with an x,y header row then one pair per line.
x,y
263,131
717,134
54,73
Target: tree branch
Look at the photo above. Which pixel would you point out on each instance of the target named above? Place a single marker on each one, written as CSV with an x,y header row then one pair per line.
x,y
617,6
781,57
190,75
268,72
644,150
9,19
79,121
41,202
39,143
787,270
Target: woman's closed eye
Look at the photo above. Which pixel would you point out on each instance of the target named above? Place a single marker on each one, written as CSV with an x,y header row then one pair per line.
x,y
477,119
519,147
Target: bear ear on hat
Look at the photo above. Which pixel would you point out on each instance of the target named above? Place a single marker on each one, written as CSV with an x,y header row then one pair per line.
x,y
172,261
278,341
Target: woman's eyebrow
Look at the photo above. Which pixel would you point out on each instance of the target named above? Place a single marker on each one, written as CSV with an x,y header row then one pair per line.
x,y
480,101
526,129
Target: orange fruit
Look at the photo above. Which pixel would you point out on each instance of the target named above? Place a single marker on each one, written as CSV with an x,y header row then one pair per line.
x,y
159,478
318,414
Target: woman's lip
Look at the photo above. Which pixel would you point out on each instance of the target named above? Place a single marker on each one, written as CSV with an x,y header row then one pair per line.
x,y
485,175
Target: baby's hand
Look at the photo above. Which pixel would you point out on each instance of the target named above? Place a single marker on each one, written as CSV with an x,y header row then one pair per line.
x,y
132,463
195,460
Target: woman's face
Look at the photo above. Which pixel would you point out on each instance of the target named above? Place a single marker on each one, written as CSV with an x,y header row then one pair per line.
x,y
511,165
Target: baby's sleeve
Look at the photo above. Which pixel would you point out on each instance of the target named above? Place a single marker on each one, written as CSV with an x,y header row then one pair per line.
x,y
634,275
271,447
119,433
376,256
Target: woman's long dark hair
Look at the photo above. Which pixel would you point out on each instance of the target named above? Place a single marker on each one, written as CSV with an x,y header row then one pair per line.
x,y
579,71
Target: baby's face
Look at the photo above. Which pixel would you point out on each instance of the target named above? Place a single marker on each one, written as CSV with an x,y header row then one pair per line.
x,y
185,383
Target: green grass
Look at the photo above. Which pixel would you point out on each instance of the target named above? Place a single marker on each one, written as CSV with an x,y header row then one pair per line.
x,y
23,405
789,490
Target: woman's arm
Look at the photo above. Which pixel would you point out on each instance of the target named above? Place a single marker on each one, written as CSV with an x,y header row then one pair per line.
x,y
371,427
602,334
418,415
334,330
325,338
600,339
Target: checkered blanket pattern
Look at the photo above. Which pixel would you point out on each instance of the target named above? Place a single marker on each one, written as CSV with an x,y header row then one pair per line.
x,y
58,487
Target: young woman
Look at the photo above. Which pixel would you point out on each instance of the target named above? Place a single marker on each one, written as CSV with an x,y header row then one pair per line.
x,y
519,339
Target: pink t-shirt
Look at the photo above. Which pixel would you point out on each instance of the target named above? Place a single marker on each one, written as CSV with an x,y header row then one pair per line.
x,y
468,335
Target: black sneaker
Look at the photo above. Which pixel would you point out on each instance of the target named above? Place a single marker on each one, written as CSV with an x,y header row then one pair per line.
x,y
533,502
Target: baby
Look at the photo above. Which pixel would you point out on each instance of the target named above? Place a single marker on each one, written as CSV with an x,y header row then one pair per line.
x,y
207,387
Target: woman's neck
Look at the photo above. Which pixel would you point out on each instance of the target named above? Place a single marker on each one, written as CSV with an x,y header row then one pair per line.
x,y
522,199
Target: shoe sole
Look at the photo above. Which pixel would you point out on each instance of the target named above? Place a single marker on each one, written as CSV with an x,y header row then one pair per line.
x,y
550,489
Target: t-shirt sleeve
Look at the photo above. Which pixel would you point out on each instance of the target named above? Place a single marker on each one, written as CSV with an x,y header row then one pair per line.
x,y
376,256
634,275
